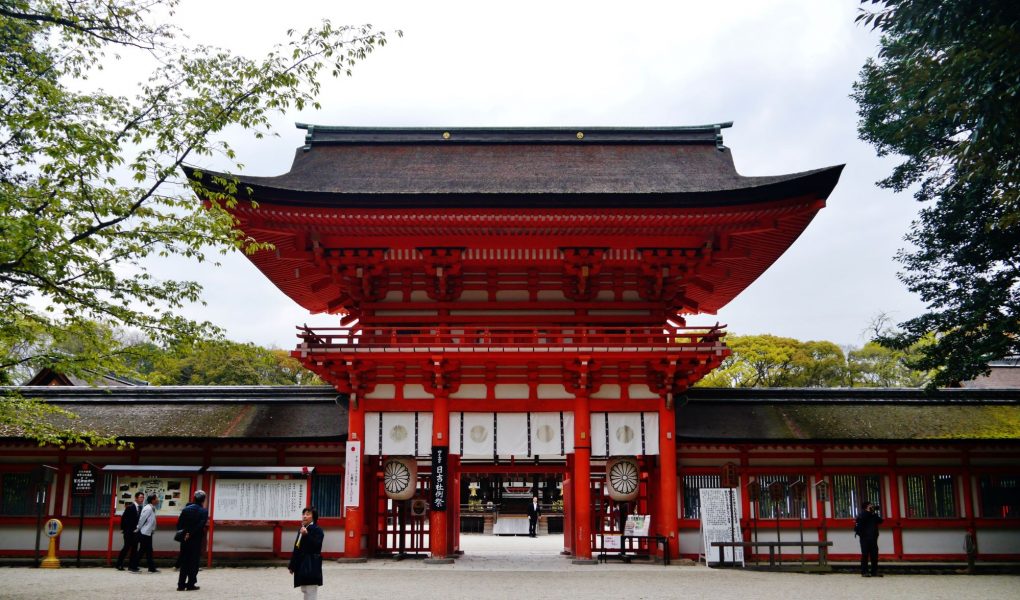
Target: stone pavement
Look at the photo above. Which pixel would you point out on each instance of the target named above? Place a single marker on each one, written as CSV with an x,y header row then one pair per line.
x,y
518,568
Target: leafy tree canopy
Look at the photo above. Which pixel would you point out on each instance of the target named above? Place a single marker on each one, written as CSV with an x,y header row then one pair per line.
x,y
944,95
223,362
91,182
773,361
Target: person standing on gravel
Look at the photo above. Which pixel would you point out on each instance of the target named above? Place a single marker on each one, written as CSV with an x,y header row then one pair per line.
x,y
306,559
192,522
146,527
866,528
128,524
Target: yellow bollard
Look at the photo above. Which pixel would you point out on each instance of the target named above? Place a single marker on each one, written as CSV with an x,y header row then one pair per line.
x,y
53,529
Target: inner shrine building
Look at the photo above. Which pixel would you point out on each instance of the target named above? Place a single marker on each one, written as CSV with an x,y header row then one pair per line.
x,y
519,311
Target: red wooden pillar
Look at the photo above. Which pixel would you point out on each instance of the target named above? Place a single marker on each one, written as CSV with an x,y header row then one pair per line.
x,y
582,477
354,516
454,504
438,519
668,490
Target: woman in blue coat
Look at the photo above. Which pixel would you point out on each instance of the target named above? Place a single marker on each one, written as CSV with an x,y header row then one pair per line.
x,y
306,560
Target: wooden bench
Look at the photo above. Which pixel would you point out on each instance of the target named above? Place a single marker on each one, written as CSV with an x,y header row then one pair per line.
x,y
822,547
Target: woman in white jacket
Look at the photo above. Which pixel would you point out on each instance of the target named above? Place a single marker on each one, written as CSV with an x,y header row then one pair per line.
x,y
146,527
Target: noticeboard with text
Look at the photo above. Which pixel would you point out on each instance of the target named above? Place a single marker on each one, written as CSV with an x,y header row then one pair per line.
x,y
84,481
439,473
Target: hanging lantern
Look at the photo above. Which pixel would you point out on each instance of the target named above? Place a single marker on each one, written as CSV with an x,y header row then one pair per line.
x,y
622,476
400,477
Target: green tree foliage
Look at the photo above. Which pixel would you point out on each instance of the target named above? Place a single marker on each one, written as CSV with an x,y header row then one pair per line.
x,y
875,365
944,95
773,361
222,362
91,182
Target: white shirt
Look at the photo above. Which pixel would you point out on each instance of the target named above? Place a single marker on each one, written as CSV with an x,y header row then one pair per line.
x,y
147,520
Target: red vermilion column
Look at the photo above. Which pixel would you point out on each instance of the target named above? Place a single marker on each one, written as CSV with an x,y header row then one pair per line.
x,y
667,476
354,516
438,543
582,476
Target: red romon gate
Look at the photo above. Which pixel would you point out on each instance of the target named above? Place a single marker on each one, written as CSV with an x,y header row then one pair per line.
x,y
541,273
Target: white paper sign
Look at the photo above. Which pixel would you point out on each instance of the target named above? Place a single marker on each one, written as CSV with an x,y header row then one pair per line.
x,y
720,522
259,499
637,524
352,476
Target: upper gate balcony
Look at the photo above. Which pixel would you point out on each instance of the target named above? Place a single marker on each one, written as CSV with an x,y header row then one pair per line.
x,y
662,357
510,340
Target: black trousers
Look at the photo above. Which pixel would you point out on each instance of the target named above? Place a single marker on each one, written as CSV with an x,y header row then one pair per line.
x,y
144,549
532,525
129,550
191,555
869,552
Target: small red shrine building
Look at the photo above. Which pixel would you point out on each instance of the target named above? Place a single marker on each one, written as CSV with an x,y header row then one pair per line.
x,y
515,295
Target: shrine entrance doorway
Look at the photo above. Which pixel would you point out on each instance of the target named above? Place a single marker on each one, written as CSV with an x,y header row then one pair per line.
x,y
495,498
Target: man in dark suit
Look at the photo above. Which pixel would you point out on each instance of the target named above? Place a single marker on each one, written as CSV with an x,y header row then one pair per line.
x,y
128,523
534,509
192,522
866,526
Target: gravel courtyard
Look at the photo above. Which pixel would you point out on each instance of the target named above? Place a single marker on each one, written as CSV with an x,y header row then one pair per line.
x,y
510,568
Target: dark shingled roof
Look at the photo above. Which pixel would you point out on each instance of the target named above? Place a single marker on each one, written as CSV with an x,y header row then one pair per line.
x,y
849,415
198,412
765,415
493,167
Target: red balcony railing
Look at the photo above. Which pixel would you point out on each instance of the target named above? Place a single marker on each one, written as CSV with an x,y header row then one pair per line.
x,y
511,339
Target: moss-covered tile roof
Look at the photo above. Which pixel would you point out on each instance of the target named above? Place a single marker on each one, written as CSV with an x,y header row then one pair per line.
x,y
773,414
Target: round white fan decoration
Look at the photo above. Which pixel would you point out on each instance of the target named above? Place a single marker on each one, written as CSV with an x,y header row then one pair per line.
x,y
400,475
622,477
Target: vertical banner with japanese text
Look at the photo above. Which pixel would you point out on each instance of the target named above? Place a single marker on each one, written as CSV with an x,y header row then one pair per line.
x,y
439,473
352,475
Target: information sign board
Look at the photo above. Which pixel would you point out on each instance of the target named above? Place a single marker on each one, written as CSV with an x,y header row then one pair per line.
x,y
259,499
637,525
720,522
84,481
352,475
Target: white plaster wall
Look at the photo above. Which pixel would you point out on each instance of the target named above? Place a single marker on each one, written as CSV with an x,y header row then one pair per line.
x,y
641,391
415,391
512,391
609,390
385,391
246,539
933,541
844,542
471,390
22,537
691,542
334,541
93,538
551,295
998,541
553,391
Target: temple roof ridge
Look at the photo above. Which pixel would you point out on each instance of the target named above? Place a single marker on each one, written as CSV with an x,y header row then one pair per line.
x,y
679,134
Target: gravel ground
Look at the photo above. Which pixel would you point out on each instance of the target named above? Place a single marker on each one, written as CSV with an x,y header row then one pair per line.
x,y
511,568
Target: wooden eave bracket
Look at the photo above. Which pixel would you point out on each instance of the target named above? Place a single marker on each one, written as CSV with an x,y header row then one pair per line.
x,y
580,266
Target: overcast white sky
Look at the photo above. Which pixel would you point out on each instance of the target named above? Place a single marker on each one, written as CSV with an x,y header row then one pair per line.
x,y
780,70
